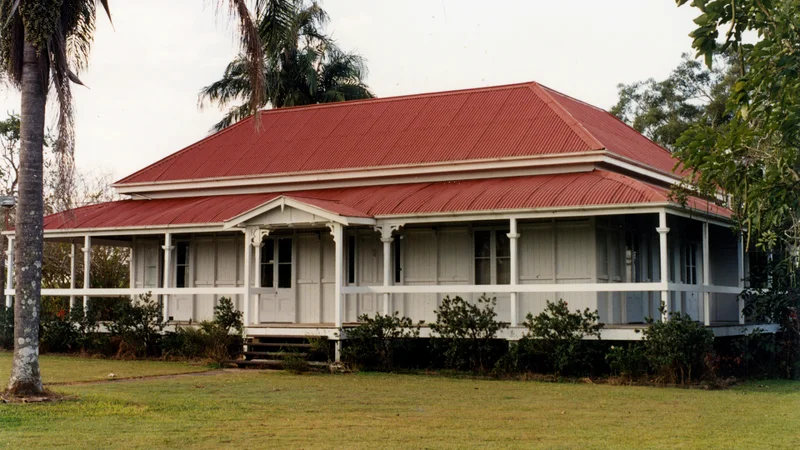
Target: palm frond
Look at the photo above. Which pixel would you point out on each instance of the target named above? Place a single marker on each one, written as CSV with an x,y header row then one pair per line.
x,y
251,45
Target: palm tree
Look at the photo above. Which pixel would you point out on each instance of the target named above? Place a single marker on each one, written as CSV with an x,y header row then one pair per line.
x,y
302,66
44,44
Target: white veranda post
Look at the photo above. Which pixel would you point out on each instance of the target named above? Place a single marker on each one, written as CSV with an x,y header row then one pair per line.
x,y
248,264
513,237
87,269
706,277
386,239
258,244
338,313
664,262
72,275
9,268
168,247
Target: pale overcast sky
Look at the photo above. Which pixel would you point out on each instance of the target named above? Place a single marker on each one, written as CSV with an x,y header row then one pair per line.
x,y
145,74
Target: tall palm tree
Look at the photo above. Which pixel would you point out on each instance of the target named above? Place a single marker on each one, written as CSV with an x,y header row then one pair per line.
x,y
302,66
44,44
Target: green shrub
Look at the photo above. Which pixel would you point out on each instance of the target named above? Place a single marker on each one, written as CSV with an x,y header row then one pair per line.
x,y
555,340
137,325
627,361
214,340
466,333
373,343
57,333
6,327
779,303
320,349
677,349
296,364
88,338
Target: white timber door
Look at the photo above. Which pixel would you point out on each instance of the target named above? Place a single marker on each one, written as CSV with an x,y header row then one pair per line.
x,y
278,276
691,275
182,306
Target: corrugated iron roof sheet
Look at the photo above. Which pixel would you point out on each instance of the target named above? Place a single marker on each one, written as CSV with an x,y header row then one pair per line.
x,y
495,122
583,189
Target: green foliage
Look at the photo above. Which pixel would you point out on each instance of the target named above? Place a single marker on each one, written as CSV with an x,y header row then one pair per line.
x,y
664,110
6,327
137,324
296,364
627,361
779,304
373,343
755,156
214,340
678,348
320,348
466,332
302,65
556,340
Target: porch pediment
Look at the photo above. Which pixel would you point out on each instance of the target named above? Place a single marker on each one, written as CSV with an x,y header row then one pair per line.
x,y
288,210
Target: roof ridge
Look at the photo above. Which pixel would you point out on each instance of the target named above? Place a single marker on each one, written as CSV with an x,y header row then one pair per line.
x,y
597,108
396,97
568,118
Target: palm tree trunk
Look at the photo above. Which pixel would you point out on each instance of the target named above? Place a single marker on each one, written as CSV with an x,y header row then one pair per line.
x,y
25,376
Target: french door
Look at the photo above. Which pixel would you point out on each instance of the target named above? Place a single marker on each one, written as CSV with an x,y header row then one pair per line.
x,y
277,267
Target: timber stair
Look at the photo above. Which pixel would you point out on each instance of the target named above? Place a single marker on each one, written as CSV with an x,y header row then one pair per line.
x,y
271,352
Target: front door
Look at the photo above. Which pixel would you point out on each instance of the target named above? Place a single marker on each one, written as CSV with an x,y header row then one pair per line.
x,y
277,275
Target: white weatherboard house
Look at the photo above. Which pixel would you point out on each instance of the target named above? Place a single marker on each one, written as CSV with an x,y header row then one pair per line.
x,y
319,214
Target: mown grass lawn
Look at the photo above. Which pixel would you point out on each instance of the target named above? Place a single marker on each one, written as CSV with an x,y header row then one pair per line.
x,y
254,409
64,369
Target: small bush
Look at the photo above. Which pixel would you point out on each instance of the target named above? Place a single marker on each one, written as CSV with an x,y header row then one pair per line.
x,y
466,332
88,337
627,361
137,325
296,364
215,340
320,349
677,349
6,327
57,333
373,343
555,340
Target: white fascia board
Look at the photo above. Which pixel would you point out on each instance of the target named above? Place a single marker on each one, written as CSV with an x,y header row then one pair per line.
x,y
584,211
130,231
345,177
283,201
700,215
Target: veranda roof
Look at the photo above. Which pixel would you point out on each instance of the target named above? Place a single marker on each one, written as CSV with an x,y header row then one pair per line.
x,y
527,193
521,120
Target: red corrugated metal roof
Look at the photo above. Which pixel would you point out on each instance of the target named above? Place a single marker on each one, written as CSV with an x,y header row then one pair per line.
x,y
495,122
582,189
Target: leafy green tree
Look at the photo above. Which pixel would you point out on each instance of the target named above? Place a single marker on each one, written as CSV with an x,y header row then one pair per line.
x,y
302,66
44,44
691,94
755,155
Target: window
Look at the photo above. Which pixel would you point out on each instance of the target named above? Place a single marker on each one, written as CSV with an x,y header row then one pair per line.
x,y
268,264
284,263
690,264
276,256
182,265
492,257
398,268
351,259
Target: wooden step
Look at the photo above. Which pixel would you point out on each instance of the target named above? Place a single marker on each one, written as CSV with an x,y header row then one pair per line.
x,y
273,354
269,363
279,344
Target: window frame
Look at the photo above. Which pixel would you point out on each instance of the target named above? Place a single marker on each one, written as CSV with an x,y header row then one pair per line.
x,y
184,267
493,254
